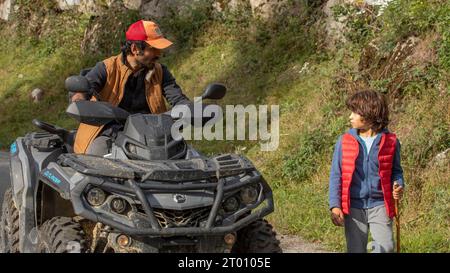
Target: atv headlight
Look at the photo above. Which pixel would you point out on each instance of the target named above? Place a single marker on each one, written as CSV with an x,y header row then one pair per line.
x,y
231,204
249,194
118,205
131,148
96,196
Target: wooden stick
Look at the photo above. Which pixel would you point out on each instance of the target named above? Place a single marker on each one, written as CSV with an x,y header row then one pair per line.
x,y
397,220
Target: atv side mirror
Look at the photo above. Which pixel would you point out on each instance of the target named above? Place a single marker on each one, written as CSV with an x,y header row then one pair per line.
x,y
77,84
214,91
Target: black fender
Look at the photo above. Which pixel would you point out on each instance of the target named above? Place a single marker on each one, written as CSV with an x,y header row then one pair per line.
x,y
25,165
23,175
53,197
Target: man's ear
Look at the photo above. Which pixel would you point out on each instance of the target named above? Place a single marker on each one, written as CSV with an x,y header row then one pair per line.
x,y
134,49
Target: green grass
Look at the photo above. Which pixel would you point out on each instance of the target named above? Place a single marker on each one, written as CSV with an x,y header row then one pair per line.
x,y
261,63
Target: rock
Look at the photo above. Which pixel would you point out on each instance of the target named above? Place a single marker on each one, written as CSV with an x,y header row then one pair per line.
x,y
267,8
95,7
229,5
335,27
20,76
83,6
91,7
67,4
442,159
132,4
264,9
5,9
155,9
37,95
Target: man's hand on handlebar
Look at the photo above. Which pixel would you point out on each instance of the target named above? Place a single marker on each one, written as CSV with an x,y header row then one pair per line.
x,y
78,96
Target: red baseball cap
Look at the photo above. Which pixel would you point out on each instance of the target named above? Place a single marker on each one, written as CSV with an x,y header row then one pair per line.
x,y
149,32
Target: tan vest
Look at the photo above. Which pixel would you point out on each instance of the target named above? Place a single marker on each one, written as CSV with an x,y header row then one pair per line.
x,y
117,75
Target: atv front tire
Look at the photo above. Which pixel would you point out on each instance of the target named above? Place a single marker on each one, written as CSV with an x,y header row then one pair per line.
x,y
9,225
258,237
61,235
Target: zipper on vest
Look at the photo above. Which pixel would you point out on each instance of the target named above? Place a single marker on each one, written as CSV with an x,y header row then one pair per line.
x,y
365,167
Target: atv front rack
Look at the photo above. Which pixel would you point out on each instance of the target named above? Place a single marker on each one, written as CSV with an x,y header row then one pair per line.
x,y
161,170
138,186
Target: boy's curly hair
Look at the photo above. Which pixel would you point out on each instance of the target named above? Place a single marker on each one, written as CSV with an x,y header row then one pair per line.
x,y
372,106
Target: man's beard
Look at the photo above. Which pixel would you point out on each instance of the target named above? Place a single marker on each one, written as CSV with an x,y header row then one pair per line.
x,y
144,64
150,64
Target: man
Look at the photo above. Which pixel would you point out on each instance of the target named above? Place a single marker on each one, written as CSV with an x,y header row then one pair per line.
x,y
132,80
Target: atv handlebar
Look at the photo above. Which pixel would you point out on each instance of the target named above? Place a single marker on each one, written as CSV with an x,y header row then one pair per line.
x,y
50,128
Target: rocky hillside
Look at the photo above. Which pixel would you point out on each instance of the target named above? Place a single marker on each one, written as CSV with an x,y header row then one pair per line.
x,y
306,56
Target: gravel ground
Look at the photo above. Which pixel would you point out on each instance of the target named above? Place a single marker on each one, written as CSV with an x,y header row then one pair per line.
x,y
295,244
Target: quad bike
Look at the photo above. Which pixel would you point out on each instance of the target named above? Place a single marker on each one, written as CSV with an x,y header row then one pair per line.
x,y
151,193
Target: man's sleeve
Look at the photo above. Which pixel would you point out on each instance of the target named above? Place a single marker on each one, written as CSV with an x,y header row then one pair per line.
x,y
96,77
171,90
397,170
335,187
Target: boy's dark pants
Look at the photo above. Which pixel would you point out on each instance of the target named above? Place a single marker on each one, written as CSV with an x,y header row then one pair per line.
x,y
360,221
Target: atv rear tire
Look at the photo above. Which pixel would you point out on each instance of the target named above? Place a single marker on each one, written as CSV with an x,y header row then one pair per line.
x,y
61,235
9,225
258,237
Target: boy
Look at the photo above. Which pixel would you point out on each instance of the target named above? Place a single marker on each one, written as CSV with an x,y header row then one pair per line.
x,y
365,167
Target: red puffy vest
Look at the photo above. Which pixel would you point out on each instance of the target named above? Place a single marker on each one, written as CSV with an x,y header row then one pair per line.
x,y
350,151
